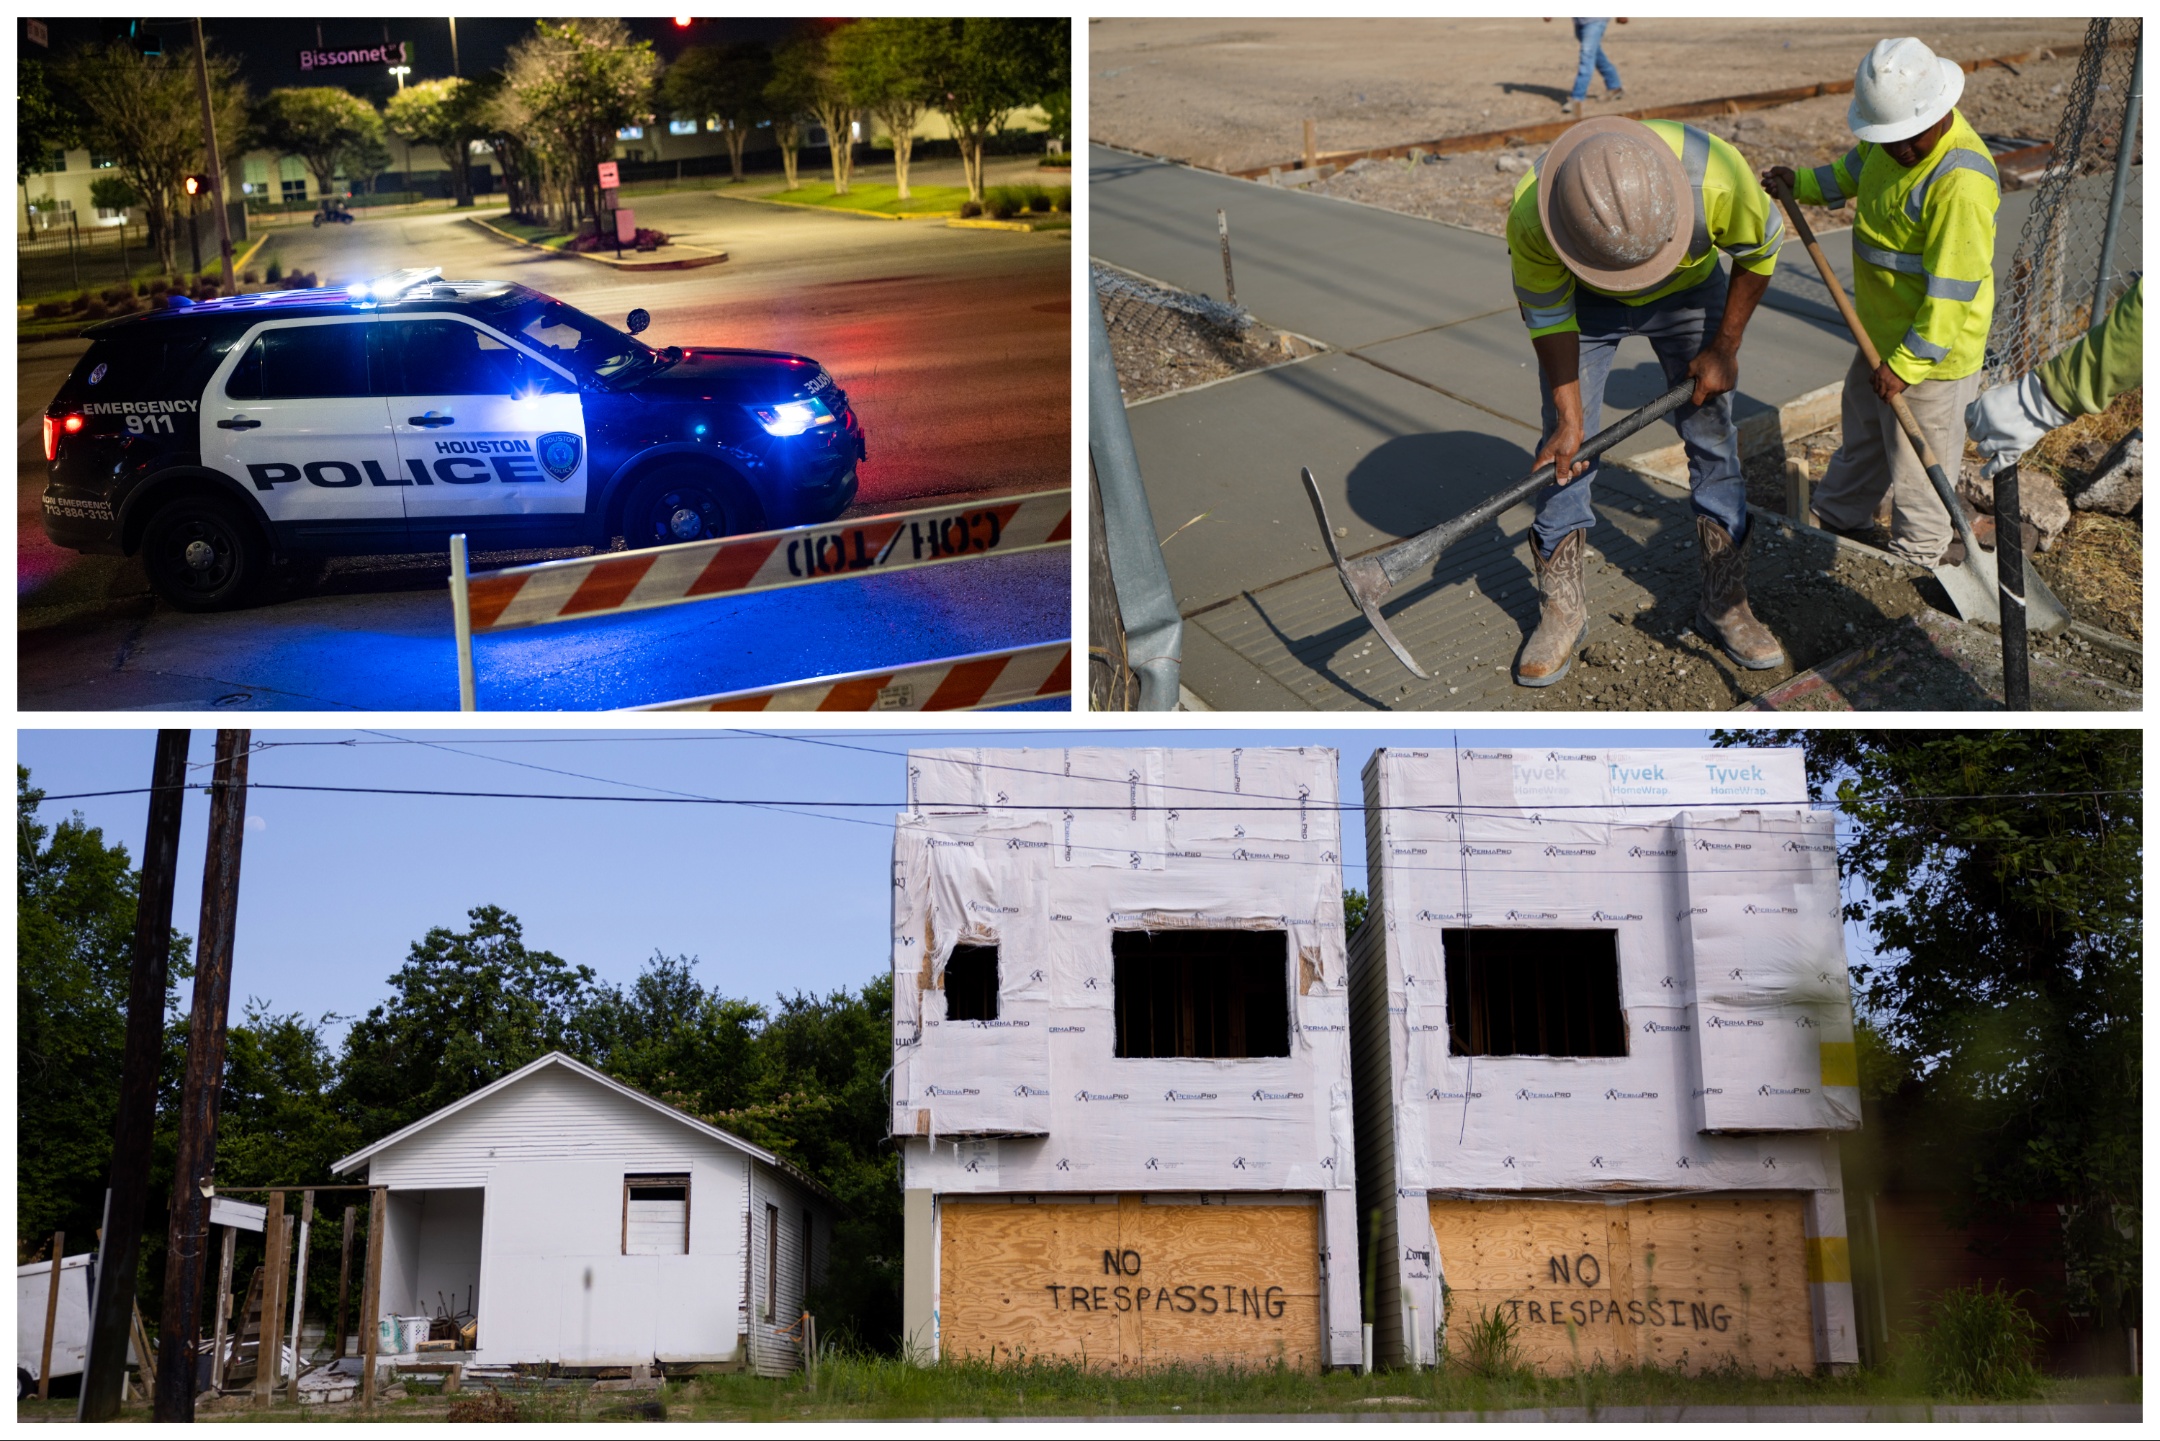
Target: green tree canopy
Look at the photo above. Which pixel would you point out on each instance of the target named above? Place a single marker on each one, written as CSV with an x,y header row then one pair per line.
x,y
146,112
74,934
887,63
2000,874
986,68
466,1009
723,85
328,129
45,126
441,113
578,82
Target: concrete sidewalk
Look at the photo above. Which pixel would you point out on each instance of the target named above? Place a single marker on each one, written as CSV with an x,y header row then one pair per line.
x,y
1429,403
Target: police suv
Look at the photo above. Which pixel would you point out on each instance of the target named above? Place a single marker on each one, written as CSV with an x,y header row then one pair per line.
x,y
383,417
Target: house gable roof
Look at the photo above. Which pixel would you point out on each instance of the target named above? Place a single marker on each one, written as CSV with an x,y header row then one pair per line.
x,y
556,1059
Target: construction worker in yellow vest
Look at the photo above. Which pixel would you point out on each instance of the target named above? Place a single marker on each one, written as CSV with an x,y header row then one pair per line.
x,y
1616,232
1923,245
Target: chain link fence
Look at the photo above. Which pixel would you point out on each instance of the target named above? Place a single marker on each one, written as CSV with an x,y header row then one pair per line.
x,y
1134,307
2076,223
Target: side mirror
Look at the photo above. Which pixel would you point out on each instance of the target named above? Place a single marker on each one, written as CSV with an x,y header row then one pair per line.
x,y
639,319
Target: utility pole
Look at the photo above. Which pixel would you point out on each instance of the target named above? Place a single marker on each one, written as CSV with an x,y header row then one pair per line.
x,y
195,1158
217,184
453,47
120,1248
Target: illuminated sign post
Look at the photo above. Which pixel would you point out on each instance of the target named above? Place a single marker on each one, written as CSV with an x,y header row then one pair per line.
x,y
390,52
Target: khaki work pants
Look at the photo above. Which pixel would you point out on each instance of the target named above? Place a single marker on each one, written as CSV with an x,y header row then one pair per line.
x,y
1876,457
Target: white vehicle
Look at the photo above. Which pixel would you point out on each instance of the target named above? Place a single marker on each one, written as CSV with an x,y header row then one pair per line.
x,y
71,1326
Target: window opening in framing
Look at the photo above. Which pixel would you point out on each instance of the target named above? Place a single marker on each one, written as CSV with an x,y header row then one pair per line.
x,y
971,984
1515,991
656,1215
772,1261
1218,995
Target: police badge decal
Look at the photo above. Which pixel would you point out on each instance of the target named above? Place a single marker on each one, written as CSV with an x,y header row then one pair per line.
x,y
559,451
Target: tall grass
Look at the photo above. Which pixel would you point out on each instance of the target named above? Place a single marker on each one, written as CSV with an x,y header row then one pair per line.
x,y
1980,1343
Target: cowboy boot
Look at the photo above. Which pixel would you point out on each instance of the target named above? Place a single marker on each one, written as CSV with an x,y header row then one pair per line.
x,y
1724,615
1562,618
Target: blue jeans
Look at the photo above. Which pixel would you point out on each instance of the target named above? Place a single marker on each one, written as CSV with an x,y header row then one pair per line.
x,y
1677,327
1590,34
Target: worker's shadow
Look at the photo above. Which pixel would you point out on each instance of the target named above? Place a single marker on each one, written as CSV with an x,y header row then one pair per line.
x,y
1414,482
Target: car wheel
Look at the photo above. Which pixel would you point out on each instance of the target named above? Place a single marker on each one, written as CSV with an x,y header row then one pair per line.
x,y
202,554
675,504
24,1384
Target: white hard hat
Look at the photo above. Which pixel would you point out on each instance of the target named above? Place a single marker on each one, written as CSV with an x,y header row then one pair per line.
x,y
1900,90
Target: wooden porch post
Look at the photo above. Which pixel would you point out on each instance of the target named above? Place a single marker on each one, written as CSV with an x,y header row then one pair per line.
x,y
270,1336
371,1292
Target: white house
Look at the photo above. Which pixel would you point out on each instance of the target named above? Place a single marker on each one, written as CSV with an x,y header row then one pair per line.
x,y
1604,1043
595,1226
1121,1061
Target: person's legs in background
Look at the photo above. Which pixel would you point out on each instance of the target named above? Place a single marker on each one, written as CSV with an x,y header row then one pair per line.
x,y
1590,35
1852,484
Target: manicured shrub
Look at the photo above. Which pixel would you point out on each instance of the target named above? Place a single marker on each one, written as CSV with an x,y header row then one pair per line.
x,y
970,209
1063,198
276,272
1003,201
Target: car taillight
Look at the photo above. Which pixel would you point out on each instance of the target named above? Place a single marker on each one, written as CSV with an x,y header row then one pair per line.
x,y
68,423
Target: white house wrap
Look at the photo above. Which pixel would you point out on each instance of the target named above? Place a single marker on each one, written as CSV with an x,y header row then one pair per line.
x,y
1081,866
1705,883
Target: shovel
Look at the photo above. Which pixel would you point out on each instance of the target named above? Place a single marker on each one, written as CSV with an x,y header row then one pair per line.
x,y
1370,579
1973,587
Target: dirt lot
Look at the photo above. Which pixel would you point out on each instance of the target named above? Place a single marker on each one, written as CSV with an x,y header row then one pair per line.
x,y
1234,93
1473,190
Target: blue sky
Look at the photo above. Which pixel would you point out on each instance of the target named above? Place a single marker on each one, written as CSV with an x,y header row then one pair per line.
x,y
336,888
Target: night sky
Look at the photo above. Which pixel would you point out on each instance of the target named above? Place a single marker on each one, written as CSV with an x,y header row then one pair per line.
x,y
269,50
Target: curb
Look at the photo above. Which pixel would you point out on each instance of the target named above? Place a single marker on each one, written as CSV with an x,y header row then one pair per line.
x,y
986,224
686,262
821,210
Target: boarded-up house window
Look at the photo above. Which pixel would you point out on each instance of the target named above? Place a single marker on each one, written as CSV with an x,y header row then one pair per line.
x,y
772,1261
1513,991
1223,995
971,984
656,1215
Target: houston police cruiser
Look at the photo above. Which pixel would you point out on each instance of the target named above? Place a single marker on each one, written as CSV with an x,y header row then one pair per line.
x,y
383,417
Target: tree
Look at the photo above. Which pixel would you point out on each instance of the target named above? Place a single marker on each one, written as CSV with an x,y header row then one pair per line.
x,y
721,86
791,94
886,63
146,112
833,100
74,930
44,125
110,192
328,129
466,1009
1999,873
434,112
579,82
500,120
986,68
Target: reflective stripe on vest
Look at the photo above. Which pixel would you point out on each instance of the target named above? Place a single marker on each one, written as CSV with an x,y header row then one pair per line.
x,y
1833,194
1960,159
1926,349
1889,259
1695,160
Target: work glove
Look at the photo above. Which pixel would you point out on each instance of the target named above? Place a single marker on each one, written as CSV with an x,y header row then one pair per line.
x,y
2011,419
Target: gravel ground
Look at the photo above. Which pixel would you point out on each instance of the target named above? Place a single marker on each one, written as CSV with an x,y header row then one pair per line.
x,y
1474,190
1234,93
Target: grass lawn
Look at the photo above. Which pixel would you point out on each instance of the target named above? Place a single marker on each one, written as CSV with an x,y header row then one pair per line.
x,y
537,234
877,199
870,1389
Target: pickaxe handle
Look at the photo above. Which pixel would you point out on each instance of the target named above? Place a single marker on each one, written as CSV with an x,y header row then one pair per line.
x,y
1369,579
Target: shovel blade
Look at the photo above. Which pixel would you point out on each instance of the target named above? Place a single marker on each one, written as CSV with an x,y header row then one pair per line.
x,y
1975,590
1367,587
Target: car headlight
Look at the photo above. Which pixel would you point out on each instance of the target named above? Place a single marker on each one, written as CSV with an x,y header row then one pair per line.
x,y
793,417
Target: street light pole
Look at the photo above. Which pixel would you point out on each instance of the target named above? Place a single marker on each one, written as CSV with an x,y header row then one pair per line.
x,y
217,184
453,47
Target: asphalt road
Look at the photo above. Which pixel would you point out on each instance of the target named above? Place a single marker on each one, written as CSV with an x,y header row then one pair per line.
x,y
953,345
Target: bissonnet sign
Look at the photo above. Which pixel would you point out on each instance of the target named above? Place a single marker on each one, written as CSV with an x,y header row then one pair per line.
x,y
390,52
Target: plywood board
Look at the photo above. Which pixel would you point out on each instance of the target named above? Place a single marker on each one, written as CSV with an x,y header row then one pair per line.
x,y
1681,1282
1132,1285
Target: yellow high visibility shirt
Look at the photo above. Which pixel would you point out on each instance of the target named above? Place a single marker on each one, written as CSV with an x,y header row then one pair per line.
x,y
1732,214
1923,249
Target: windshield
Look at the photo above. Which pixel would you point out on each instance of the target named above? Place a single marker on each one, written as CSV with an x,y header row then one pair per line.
x,y
591,348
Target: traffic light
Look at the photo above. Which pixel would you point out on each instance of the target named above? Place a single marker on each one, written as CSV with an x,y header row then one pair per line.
x,y
682,22
196,185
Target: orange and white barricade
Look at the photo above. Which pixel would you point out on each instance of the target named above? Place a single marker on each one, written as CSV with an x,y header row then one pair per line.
x,y
968,682
621,581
